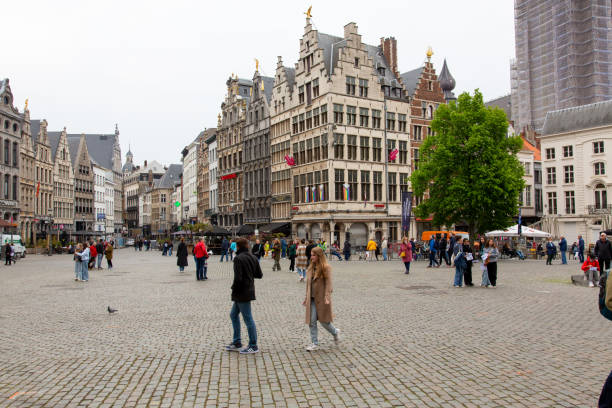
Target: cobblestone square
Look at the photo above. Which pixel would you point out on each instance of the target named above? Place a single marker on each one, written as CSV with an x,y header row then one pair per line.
x,y
407,340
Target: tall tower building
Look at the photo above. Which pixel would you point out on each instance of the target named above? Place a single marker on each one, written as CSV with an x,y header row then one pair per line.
x,y
563,57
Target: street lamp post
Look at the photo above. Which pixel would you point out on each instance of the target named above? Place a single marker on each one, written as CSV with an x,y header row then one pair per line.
x,y
231,204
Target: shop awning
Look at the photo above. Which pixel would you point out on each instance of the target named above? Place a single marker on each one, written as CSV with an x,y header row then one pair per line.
x,y
245,230
276,228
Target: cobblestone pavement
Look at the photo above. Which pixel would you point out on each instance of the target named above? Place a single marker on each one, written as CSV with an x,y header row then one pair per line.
x,y
408,340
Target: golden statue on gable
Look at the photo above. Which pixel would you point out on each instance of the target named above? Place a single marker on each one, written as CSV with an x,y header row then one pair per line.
x,y
308,12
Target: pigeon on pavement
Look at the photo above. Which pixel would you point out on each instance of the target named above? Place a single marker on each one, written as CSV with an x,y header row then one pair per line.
x,y
110,309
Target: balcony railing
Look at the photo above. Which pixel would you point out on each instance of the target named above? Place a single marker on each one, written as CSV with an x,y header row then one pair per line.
x,y
599,209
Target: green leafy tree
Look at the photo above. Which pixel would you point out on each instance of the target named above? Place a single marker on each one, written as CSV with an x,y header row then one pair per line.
x,y
468,167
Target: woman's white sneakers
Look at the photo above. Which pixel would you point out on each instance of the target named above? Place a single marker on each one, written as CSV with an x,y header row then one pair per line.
x,y
312,347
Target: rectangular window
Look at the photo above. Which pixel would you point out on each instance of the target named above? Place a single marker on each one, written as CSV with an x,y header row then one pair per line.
x,y
600,169
15,155
308,94
404,179
323,114
315,117
317,148
296,189
403,152
339,181
552,203
377,149
315,87
375,119
598,147
528,196
338,113
7,148
309,150
323,186
14,188
364,115
401,120
295,124
392,186
416,132
309,120
296,153
364,145
568,151
324,155
363,88
350,85
351,115
550,153
551,175
351,143
301,122
338,146
390,121
415,158
302,151
570,202
301,94
352,181
568,172
377,186
537,176
365,185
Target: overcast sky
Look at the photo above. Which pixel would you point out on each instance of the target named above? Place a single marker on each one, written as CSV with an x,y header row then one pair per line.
x,y
158,68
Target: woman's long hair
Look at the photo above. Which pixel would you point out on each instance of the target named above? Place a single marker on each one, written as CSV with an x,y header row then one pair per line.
x,y
319,268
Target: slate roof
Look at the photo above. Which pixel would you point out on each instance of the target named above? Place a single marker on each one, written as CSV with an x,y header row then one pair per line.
x,y
171,177
578,118
268,87
35,129
379,60
410,79
128,167
54,138
290,72
100,147
73,145
3,84
504,103
329,44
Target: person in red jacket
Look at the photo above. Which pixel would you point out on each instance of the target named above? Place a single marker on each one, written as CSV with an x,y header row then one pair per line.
x,y
591,268
200,253
93,253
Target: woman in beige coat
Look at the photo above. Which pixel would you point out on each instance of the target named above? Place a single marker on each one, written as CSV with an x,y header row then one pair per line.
x,y
318,297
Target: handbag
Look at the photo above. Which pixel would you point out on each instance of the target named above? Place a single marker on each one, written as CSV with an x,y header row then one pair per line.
x,y
402,254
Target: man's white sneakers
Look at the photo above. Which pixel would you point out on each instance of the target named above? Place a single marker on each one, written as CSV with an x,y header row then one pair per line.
x,y
312,347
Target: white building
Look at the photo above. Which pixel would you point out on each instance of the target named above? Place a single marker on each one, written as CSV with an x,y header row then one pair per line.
x,y
189,202
109,203
213,174
99,201
576,145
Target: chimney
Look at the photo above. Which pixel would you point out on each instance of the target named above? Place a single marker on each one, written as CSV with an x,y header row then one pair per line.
x,y
389,47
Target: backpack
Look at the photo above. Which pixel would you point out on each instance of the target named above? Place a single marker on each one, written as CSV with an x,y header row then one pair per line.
x,y
603,308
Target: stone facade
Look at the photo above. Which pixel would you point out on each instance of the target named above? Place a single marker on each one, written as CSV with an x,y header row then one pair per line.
x,y
135,183
256,152
27,193
213,176
63,182
83,188
10,139
230,144
161,200
43,180
189,196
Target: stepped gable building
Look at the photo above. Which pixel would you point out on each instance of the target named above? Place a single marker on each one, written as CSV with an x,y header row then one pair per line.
x,y
280,142
43,177
106,151
10,139
27,189
161,200
83,187
256,154
63,182
230,143
135,183
351,119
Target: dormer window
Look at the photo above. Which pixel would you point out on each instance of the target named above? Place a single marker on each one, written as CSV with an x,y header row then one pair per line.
x,y
381,71
6,100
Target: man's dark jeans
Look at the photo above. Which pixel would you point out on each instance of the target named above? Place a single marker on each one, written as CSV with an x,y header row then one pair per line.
x,y
604,264
245,309
432,258
200,273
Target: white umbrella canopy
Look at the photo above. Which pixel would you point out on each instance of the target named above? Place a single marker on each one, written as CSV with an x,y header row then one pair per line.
x,y
513,232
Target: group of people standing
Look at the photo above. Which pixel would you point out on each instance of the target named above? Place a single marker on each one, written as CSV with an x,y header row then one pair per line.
x,y
89,255
318,278
200,257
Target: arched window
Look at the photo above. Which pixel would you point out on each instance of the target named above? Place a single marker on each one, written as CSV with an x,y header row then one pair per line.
x,y
601,197
430,112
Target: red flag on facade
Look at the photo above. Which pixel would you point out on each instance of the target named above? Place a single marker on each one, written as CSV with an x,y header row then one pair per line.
x,y
37,189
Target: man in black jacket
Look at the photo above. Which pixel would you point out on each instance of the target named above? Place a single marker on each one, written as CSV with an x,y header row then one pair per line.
x,y
100,251
246,270
603,252
309,250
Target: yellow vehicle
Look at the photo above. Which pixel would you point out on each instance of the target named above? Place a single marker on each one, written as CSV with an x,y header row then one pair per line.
x,y
426,236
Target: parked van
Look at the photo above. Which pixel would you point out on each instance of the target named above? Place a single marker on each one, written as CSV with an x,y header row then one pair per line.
x,y
426,236
15,239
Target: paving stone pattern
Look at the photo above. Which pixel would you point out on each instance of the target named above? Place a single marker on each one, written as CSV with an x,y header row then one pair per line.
x,y
407,340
